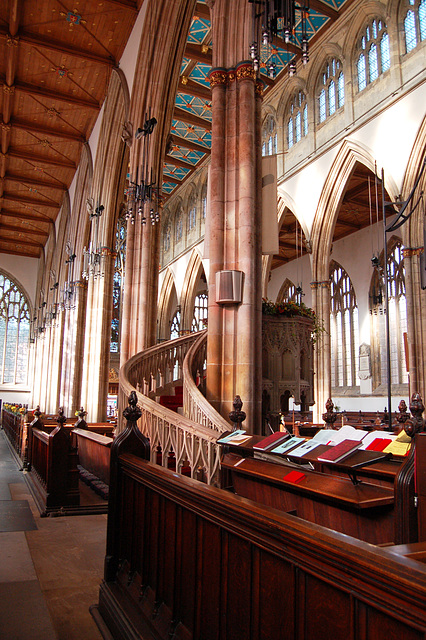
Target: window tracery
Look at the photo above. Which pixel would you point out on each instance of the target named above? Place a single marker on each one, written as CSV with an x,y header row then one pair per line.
x,y
373,53
343,329
269,136
331,95
297,122
14,332
414,23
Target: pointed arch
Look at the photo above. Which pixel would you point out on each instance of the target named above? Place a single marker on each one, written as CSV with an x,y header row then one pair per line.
x,y
167,296
193,274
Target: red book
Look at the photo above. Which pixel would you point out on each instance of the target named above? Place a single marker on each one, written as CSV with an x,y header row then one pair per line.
x,y
378,444
340,451
294,476
271,441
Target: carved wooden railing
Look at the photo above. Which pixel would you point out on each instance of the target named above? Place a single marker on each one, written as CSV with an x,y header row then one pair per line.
x,y
177,441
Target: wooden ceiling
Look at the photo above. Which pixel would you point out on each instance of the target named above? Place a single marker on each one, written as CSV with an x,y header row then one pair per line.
x,y
359,208
55,64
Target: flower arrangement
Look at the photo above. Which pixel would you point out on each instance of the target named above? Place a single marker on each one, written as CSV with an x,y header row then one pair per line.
x,y
293,310
287,309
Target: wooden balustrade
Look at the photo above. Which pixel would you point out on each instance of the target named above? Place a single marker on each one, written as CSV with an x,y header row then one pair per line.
x,y
192,443
190,561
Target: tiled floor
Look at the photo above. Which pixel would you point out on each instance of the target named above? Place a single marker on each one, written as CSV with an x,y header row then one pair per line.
x,y
50,568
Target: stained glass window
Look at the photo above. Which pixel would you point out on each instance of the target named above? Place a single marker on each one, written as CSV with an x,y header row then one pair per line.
x,y
14,332
297,123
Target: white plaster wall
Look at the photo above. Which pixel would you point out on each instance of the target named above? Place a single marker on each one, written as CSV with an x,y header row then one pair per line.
x,y
389,138
23,270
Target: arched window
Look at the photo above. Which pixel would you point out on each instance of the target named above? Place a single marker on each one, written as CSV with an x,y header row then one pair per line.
x,y
397,319
269,136
297,123
199,318
118,284
204,202
192,214
331,95
343,329
373,53
414,23
166,236
288,292
14,332
178,225
175,325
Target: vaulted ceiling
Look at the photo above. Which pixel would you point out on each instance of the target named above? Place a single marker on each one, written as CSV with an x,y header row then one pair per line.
x,y
55,64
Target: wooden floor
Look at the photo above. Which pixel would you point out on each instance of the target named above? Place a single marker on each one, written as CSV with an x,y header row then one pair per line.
x,y
50,568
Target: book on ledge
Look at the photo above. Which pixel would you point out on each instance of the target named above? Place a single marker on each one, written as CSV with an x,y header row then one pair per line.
x,y
271,441
339,451
378,444
287,444
231,436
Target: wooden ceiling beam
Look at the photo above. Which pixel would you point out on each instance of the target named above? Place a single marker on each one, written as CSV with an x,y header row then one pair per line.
x,y
49,131
199,52
194,89
28,243
202,11
33,232
30,157
60,47
16,252
347,223
184,116
32,89
181,142
42,184
27,216
30,201
179,163
325,9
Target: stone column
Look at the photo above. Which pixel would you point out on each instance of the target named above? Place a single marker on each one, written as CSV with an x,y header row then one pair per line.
x,y
234,330
322,353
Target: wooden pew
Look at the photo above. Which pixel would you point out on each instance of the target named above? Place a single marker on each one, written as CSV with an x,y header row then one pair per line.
x,y
186,560
364,511
94,453
53,475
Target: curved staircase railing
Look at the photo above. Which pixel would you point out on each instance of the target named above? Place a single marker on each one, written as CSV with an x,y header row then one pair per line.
x,y
187,442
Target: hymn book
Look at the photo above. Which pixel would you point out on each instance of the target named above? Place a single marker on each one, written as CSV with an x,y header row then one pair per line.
x,y
287,445
272,441
339,451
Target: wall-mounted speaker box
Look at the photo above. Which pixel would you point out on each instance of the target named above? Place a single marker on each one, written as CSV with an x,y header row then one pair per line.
x,y
229,287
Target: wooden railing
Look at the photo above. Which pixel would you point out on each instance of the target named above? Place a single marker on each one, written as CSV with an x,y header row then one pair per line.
x,y
176,440
13,426
188,561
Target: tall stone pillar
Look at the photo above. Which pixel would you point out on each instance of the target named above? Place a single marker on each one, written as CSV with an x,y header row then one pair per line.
x,y
322,353
234,243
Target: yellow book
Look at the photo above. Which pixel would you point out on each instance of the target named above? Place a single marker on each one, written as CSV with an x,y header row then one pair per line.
x,y
397,448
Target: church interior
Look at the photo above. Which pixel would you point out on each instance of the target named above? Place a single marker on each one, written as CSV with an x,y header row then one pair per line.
x,y
212,254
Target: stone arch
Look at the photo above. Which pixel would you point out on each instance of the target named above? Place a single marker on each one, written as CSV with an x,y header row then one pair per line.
x,y
330,199
168,290
189,290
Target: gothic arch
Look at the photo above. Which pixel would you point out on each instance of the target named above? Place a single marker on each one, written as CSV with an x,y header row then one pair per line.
x,y
189,290
330,199
164,303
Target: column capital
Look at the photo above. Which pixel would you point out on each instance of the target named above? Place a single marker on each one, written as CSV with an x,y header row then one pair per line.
x,y
324,284
409,252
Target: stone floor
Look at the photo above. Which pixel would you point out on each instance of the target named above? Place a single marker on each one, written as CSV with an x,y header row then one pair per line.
x,y
50,568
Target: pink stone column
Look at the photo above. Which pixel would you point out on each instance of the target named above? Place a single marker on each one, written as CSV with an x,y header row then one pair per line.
x,y
234,331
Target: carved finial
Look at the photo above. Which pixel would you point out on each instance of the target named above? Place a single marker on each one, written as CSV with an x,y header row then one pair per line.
x,y
416,423
402,416
237,416
61,419
132,413
330,415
